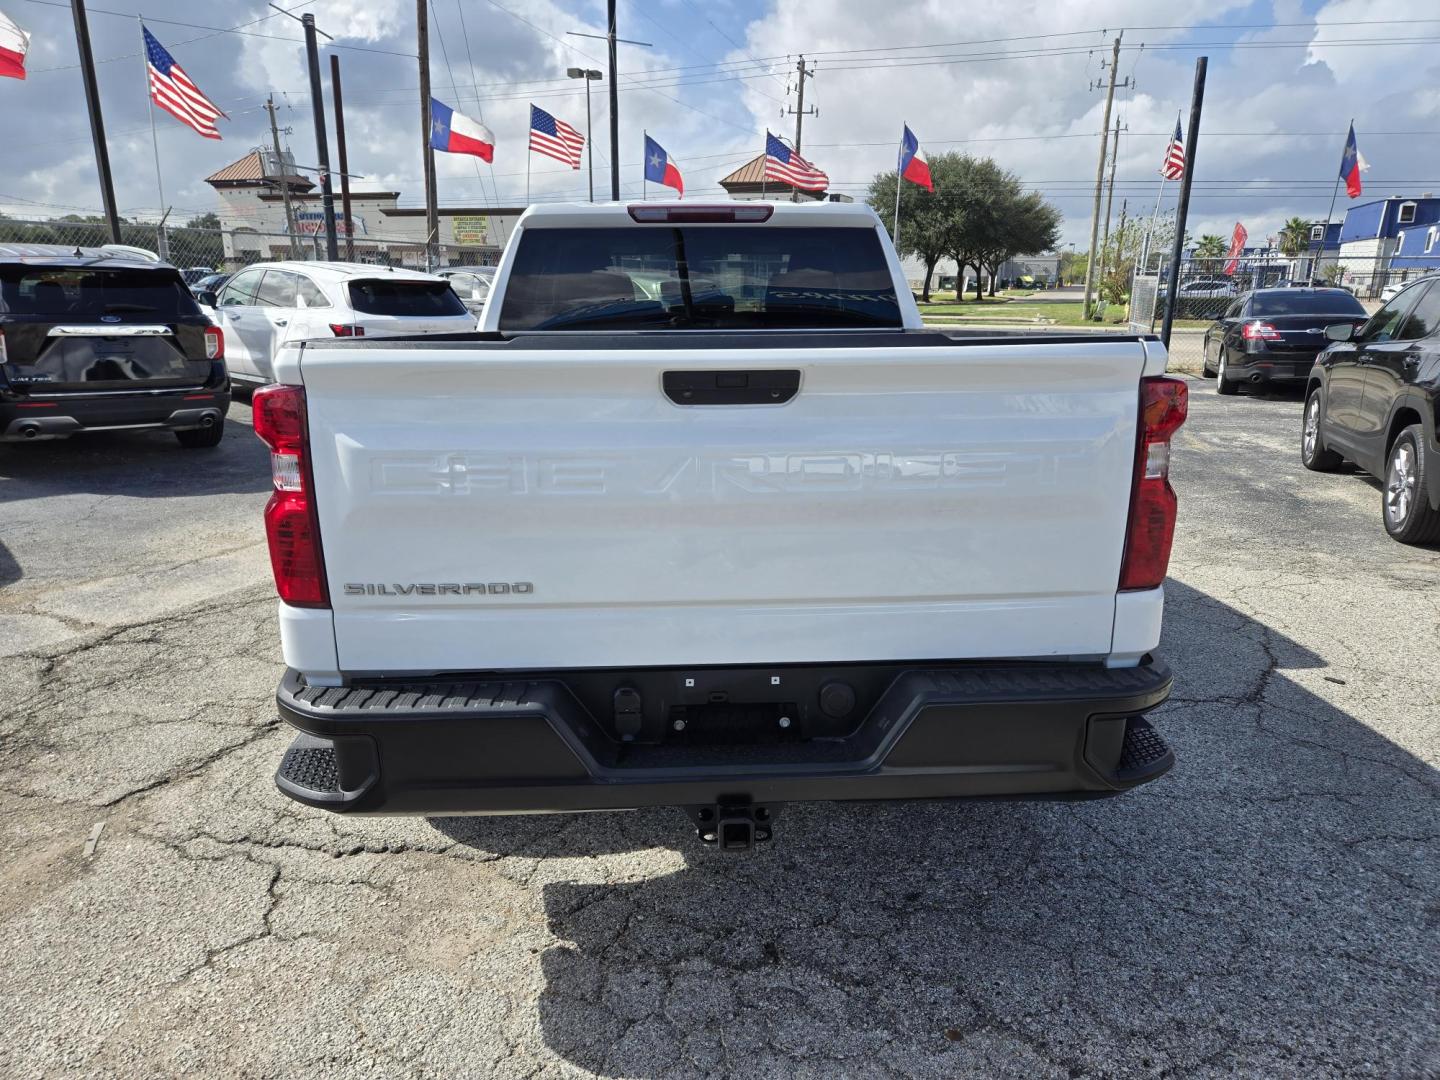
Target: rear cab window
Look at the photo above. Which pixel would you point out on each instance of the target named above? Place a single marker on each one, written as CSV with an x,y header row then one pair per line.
x,y
90,293
405,297
657,277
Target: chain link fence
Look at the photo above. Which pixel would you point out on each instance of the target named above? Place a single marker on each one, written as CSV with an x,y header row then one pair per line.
x,y
228,250
1209,287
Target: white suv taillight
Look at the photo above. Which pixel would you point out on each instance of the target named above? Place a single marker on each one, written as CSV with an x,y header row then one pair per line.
x,y
214,343
1151,528
291,524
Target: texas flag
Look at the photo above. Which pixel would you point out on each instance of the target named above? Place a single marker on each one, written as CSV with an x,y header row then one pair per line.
x,y
659,169
14,44
913,166
456,133
1352,164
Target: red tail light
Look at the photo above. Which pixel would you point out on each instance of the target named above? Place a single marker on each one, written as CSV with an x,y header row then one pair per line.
x,y
214,343
347,330
1151,529
291,523
1260,331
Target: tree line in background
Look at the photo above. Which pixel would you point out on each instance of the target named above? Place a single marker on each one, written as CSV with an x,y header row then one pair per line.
x,y
199,238
979,216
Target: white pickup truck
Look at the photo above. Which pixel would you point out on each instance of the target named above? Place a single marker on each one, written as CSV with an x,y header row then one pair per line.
x,y
704,516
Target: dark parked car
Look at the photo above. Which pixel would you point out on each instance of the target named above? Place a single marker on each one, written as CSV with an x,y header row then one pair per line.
x,y
99,340
209,283
1274,335
1373,399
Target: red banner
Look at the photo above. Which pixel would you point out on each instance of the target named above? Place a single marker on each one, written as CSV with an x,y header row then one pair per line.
x,y
1237,245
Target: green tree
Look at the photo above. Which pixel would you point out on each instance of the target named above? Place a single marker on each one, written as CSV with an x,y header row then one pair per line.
x,y
979,215
1211,247
1024,224
204,221
922,219
1072,265
1295,237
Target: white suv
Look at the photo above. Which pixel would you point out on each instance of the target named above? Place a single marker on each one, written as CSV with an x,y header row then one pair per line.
x,y
266,305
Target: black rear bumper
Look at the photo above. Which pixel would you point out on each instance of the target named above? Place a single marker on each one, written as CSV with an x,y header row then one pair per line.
x,y
528,745
35,416
1269,367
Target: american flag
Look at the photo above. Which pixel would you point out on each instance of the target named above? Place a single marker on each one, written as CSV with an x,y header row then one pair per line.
x,y
782,163
555,138
1174,167
172,90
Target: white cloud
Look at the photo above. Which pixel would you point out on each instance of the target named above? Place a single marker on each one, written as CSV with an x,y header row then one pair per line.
x,y
1294,100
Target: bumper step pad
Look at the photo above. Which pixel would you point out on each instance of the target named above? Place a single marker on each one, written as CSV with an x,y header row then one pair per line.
x,y
312,767
1144,754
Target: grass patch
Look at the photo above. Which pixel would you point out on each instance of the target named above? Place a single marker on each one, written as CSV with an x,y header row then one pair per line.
x,y
1064,314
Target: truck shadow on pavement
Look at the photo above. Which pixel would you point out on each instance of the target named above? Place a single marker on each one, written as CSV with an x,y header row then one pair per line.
x,y
1270,906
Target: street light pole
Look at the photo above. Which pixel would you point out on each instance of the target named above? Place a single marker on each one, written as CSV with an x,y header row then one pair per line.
x,y
589,75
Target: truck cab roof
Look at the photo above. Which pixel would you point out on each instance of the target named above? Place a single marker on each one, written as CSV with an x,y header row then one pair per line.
x,y
719,212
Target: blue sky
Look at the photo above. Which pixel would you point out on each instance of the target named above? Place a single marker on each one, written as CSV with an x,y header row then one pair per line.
x,y
1010,81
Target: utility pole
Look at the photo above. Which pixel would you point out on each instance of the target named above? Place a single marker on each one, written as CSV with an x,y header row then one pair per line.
x,y
1182,209
344,162
800,113
284,177
1100,176
1109,202
432,208
97,122
322,144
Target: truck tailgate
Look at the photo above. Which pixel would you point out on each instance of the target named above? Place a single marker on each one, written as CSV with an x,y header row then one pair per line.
x,y
488,505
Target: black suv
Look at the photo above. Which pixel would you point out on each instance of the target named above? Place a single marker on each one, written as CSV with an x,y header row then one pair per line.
x,y
95,339
1373,398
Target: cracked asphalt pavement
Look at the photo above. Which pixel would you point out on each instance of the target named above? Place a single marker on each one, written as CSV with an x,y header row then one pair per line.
x,y
1272,907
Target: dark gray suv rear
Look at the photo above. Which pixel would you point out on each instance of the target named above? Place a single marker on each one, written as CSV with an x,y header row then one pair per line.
x,y
97,340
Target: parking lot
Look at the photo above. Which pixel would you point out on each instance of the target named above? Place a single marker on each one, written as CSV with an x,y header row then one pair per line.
x,y
1272,906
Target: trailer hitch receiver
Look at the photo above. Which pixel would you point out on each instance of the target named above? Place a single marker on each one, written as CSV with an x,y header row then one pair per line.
x,y
733,825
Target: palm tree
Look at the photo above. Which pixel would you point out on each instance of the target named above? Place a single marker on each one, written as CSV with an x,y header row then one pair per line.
x,y
1295,237
1211,247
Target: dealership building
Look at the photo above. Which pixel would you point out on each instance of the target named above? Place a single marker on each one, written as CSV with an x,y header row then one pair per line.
x,y
252,194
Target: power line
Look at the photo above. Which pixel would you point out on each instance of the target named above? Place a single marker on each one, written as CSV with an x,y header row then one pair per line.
x,y
566,44
689,49
216,30
695,8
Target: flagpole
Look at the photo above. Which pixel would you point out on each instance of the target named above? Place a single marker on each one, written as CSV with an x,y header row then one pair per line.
x,y
1334,193
899,156
1150,232
764,161
161,241
644,164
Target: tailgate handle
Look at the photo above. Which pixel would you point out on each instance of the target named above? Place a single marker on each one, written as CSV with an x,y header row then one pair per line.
x,y
730,387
